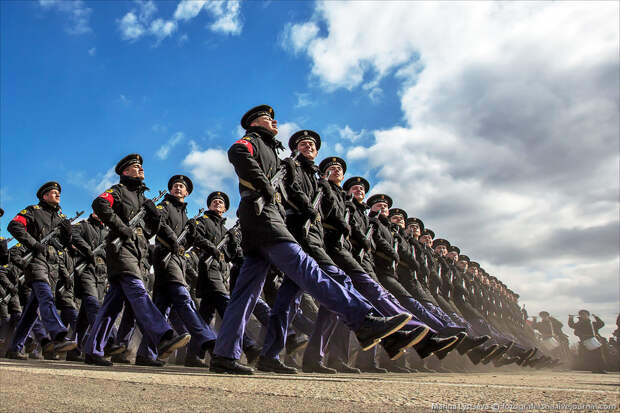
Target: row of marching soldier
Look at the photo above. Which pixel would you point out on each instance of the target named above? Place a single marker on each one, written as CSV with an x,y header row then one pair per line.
x,y
311,258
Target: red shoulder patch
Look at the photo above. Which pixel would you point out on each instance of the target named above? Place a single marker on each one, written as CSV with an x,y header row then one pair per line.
x,y
247,144
108,197
21,220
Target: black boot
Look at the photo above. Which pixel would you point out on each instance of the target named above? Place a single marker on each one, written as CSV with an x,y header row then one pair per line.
x,y
317,367
470,343
192,360
96,360
121,358
166,347
433,343
145,361
274,365
373,329
229,366
342,367
397,343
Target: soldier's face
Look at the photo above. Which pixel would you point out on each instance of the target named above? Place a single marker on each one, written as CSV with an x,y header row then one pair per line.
x,y
52,197
426,240
308,149
381,207
398,220
414,230
266,122
358,192
336,175
462,265
441,250
453,255
218,206
178,190
134,171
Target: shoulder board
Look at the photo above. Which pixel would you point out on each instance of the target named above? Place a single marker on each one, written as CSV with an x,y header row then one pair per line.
x,y
19,244
36,207
1,238
23,211
109,191
62,215
187,255
5,266
59,252
160,207
206,216
167,202
247,138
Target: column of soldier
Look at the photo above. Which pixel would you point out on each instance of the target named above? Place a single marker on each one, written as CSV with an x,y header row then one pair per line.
x,y
331,262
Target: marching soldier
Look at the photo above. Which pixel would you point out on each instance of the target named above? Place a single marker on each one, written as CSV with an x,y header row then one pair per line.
x,y
91,282
29,227
127,267
266,241
170,291
209,231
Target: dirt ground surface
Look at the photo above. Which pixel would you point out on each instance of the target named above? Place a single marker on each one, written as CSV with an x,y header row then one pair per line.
x,y
43,386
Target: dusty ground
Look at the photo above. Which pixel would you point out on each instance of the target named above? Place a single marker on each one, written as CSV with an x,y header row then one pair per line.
x,y
36,386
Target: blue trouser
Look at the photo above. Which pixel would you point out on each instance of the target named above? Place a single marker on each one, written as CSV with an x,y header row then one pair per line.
x,y
126,327
69,317
220,302
150,321
86,316
450,327
289,258
175,296
285,306
384,302
41,298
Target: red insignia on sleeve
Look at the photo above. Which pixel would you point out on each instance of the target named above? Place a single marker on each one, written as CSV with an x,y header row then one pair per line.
x,y
21,220
108,197
247,144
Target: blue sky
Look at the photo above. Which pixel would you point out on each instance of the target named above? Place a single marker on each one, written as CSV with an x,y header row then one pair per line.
x,y
496,124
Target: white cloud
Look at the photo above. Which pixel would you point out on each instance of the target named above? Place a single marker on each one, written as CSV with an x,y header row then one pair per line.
x,y
131,29
92,51
303,100
350,134
188,9
225,18
511,129
162,29
124,100
76,10
298,36
164,150
210,169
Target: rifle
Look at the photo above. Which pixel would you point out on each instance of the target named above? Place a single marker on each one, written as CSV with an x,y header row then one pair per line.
x,y
395,249
135,221
346,219
315,204
28,257
276,183
366,237
182,235
222,242
84,263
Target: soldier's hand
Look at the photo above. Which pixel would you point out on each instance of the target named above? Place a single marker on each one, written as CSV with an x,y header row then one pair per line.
x,y
310,214
344,228
151,209
126,233
39,248
212,251
367,245
65,228
395,256
90,256
268,194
